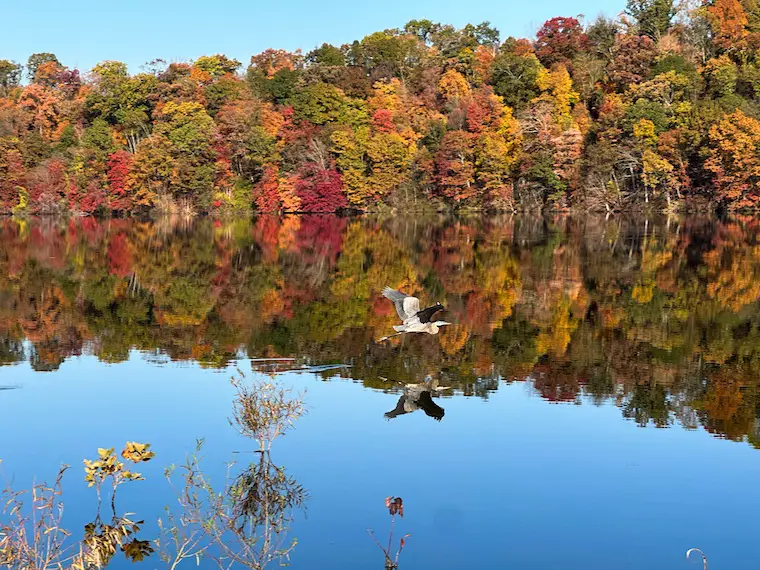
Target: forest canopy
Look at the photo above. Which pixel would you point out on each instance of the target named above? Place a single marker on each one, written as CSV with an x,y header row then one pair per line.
x,y
658,108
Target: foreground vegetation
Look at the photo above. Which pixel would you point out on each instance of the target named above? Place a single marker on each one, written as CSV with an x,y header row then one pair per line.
x,y
660,317
243,523
658,108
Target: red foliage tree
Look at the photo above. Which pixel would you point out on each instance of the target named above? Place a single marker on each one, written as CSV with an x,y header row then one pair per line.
x,y
454,166
119,164
559,40
11,178
632,59
483,112
49,188
383,120
320,190
88,202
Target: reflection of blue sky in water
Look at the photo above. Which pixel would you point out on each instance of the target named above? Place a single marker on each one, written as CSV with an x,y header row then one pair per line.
x,y
511,482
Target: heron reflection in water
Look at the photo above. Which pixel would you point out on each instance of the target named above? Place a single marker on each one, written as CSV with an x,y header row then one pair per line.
x,y
413,318
419,397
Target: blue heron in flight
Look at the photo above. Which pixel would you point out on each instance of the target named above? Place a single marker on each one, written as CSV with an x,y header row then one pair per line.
x,y
413,318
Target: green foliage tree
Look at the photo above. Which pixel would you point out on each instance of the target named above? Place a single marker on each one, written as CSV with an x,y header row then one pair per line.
x,y
653,17
10,75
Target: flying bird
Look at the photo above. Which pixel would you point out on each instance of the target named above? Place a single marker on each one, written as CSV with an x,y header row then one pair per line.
x,y
413,318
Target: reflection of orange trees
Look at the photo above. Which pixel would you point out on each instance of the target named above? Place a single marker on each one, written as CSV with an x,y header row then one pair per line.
x,y
727,412
453,339
611,317
477,311
554,338
734,269
119,255
498,278
482,364
46,316
588,306
643,292
566,271
371,259
272,305
452,255
253,296
288,234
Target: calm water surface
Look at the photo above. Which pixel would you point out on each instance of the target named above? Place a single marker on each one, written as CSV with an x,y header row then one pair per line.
x,y
601,380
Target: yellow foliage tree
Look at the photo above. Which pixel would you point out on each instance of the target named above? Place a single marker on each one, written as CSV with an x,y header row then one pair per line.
x,y
453,86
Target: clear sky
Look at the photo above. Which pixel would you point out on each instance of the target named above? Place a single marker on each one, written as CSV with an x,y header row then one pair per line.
x,y
84,32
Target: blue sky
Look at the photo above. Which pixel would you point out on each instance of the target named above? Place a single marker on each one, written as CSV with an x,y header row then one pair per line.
x,y
83,32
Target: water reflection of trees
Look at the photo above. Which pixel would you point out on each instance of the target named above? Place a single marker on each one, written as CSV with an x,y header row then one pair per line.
x,y
659,316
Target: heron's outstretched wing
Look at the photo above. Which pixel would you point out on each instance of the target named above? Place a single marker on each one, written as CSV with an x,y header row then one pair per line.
x,y
406,306
430,407
399,410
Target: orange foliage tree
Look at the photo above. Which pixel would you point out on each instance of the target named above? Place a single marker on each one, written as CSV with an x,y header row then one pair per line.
x,y
734,160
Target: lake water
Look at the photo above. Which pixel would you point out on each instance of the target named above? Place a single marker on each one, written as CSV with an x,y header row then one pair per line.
x,y
597,401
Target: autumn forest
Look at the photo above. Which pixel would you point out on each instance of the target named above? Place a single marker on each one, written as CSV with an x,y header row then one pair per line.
x,y
656,109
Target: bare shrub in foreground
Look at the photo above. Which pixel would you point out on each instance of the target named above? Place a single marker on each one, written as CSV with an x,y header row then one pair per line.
x,y
246,520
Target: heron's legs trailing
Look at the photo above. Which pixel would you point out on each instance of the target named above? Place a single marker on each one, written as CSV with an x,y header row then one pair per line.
x,y
383,339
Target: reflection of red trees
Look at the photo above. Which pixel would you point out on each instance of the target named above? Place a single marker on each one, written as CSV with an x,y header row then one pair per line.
x,y
478,312
265,232
52,277
382,308
47,247
320,238
13,252
223,250
94,231
119,256
555,383
47,323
